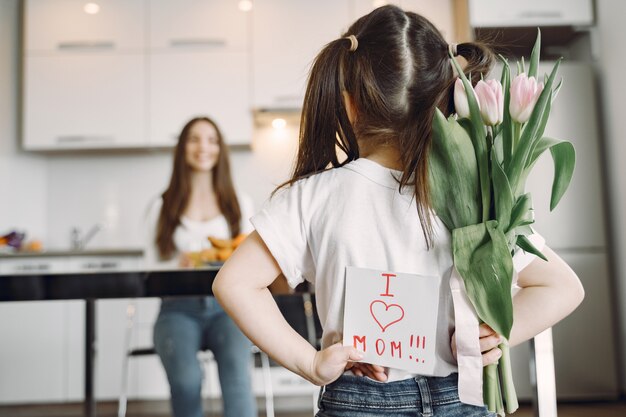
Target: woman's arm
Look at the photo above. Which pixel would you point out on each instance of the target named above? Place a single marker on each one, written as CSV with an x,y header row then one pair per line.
x,y
241,287
549,292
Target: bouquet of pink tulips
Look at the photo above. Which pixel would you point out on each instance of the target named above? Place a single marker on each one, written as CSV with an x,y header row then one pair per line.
x,y
480,159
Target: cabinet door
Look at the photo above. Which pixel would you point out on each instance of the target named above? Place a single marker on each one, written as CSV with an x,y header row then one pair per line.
x,y
198,24
187,84
497,13
84,101
32,356
53,25
287,35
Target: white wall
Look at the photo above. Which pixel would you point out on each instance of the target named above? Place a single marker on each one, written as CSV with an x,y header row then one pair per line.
x,y
22,176
115,189
46,194
612,33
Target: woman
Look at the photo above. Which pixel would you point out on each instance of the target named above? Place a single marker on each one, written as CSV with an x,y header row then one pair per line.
x,y
199,202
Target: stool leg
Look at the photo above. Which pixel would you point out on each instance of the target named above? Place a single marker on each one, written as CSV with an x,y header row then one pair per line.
x,y
123,399
542,375
267,384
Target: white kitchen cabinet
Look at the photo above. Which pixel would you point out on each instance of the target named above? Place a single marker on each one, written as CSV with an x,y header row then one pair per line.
x,y
530,13
198,25
287,35
33,352
190,83
64,25
84,101
440,13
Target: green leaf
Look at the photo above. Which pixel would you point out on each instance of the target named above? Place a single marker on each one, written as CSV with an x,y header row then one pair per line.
x,y
482,258
556,90
453,172
524,230
525,244
503,196
564,158
534,56
478,134
521,214
541,127
506,127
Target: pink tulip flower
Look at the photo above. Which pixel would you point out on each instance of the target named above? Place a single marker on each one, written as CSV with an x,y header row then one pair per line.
x,y
460,100
491,99
525,92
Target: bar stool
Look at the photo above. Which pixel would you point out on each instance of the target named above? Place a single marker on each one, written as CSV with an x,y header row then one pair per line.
x,y
205,356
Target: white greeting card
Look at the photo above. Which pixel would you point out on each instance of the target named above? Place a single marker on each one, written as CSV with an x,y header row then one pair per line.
x,y
392,318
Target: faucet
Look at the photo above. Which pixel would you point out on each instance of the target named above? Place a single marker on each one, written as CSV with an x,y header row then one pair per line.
x,y
79,242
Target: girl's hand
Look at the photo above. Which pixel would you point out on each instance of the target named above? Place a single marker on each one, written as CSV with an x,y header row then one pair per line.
x,y
375,372
328,364
489,341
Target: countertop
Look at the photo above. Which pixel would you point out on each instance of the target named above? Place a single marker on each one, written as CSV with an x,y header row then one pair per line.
x,y
134,252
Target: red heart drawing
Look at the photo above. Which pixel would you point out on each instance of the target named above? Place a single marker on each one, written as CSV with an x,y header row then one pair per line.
x,y
391,314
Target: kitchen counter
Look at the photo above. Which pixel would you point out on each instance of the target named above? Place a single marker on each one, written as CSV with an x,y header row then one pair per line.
x,y
93,285
138,252
37,285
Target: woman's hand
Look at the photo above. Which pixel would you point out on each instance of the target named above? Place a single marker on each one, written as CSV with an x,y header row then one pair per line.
x,y
375,372
328,364
185,261
489,341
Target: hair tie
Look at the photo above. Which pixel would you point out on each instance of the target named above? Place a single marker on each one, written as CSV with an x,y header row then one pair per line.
x,y
354,43
452,49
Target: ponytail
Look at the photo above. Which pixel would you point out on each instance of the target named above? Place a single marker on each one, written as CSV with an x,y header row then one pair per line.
x,y
324,124
480,58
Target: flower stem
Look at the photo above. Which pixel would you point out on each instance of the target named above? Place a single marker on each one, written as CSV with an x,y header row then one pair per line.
x,y
490,387
517,128
508,388
499,403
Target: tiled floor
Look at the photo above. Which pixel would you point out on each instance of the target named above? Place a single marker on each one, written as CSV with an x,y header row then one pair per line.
x,y
161,409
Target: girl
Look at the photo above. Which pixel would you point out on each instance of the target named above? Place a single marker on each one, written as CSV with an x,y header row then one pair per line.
x,y
199,202
372,94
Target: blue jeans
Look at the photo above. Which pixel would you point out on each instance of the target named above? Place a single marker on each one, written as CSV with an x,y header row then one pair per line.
x,y
355,396
186,325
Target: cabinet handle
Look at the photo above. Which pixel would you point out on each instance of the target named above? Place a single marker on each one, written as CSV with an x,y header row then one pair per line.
x,y
86,45
548,14
33,267
206,42
292,97
84,138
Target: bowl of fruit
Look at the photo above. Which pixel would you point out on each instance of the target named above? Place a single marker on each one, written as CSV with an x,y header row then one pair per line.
x,y
215,255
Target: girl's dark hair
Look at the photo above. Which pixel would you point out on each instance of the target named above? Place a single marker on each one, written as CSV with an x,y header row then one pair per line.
x,y
398,75
176,196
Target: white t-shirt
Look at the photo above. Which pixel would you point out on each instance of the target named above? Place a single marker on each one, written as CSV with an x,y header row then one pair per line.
x,y
191,235
356,216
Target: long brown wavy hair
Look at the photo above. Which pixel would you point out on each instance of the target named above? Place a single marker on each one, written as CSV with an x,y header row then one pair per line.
x,y
176,196
398,75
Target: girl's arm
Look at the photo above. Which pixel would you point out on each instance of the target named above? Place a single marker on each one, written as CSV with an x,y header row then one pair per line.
x,y
549,292
241,287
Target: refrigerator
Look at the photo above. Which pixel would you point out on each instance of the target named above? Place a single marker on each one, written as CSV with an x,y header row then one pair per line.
x,y
584,342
